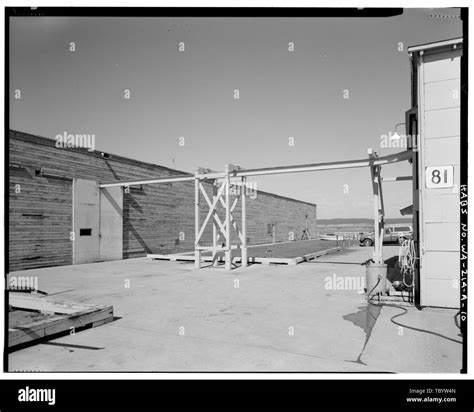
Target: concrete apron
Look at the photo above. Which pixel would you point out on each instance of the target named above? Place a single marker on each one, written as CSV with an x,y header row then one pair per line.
x,y
171,317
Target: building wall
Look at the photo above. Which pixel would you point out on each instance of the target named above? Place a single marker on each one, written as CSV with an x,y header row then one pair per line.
x,y
439,120
157,218
40,219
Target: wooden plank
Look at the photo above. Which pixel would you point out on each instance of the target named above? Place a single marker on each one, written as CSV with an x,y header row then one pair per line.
x,y
398,299
314,255
253,259
236,259
24,301
102,322
271,260
171,257
93,315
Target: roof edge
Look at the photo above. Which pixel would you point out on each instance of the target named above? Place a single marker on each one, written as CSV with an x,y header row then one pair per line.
x,y
36,139
433,45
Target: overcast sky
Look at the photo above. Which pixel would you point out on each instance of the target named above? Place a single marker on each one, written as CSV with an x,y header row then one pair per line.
x,y
190,94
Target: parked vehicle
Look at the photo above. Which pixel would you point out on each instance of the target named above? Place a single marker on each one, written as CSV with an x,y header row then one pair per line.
x,y
392,234
328,236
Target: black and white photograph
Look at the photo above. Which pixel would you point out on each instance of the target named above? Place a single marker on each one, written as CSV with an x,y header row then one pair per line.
x,y
236,192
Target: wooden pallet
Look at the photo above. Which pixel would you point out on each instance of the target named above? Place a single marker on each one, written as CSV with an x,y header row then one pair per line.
x,y
315,255
189,256
65,316
395,297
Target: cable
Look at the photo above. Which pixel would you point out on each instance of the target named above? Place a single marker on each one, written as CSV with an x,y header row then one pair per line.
x,y
407,261
412,327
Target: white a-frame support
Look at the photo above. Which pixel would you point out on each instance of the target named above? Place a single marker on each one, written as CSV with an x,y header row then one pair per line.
x,y
222,191
379,211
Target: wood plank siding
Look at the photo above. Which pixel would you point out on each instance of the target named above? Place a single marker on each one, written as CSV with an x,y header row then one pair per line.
x,y
40,208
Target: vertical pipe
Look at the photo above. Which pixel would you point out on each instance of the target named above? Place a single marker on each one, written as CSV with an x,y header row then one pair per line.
x,y
214,226
416,223
197,253
316,221
381,212
244,222
376,216
228,251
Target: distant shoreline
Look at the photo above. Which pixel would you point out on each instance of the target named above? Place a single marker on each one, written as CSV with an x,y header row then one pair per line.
x,y
359,221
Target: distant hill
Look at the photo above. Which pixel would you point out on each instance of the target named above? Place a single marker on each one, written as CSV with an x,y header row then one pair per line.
x,y
360,221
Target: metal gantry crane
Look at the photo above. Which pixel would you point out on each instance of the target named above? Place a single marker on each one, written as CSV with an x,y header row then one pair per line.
x,y
234,176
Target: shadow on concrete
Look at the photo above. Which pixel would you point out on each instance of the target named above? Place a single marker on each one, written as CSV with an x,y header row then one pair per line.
x,y
365,318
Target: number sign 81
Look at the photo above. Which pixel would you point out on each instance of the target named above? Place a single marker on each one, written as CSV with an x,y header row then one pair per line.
x,y
439,177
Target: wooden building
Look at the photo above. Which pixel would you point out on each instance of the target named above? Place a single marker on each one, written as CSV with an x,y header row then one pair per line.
x,y
58,215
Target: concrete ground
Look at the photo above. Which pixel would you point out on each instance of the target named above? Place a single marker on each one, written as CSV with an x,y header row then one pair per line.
x,y
171,317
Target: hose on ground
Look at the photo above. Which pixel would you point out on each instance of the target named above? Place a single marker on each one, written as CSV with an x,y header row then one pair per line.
x,y
412,327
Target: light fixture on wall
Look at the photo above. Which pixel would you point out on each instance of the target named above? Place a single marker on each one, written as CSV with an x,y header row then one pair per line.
x,y
45,172
395,135
16,166
105,155
129,188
